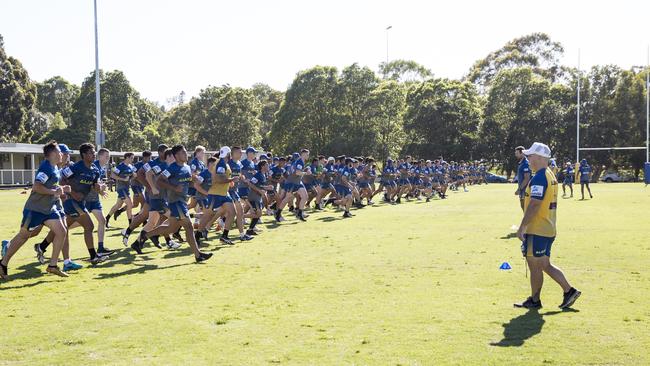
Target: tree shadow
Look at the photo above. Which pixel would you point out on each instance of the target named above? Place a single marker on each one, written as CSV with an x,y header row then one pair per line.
x,y
525,326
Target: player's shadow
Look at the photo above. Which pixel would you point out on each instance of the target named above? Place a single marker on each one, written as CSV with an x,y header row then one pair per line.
x,y
329,218
523,327
509,236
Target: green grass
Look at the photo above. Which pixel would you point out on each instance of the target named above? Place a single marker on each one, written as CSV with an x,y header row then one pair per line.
x,y
414,284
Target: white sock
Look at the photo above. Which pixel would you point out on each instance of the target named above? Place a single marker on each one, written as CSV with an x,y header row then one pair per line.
x,y
66,261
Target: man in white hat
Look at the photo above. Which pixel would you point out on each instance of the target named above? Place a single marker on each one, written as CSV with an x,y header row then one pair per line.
x,y
537,229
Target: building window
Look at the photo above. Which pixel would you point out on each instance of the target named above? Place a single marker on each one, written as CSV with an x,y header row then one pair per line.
x,y
27,160
5,162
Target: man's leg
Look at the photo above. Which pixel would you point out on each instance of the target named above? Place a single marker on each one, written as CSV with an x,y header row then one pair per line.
x,y
536,266
555,273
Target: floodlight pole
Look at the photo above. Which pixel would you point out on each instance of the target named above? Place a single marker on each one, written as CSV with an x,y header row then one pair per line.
x,y
578,113
387,29
98,109
647,109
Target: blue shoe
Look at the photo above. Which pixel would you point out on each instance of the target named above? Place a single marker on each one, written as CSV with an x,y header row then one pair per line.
x,y
5,243
71,266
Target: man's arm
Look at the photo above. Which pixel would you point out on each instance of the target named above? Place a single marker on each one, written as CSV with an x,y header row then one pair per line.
x,y
164,184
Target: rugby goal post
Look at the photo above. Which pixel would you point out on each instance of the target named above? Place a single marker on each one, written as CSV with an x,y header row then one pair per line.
x,y
646,170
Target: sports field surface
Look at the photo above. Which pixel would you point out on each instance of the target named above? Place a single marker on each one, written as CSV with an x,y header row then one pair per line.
x,y
413,284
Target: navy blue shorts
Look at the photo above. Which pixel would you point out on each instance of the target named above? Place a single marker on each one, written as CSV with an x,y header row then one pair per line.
x,y
137,190
294,187
404,182
234,195
363,185
33,219
123,193
201,201
157,205
93,205
216,201
256,203
74,208
191,191
327,186
343,191
536,245
179,210
243,192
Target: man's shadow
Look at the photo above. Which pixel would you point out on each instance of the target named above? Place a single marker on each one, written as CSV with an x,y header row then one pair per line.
x,y
523,327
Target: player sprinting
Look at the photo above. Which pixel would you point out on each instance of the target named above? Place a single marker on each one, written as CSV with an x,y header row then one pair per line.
x,y
123,173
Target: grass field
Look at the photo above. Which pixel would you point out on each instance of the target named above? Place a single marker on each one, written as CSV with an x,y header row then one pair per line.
x,y
414,284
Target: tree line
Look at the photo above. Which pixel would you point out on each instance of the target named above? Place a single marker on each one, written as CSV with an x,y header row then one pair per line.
x,y
517,94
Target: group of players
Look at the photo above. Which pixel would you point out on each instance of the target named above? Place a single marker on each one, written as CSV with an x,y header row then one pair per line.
x,y
235,187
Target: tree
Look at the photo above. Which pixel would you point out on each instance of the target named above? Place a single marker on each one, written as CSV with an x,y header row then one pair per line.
x,y
56,95
404,71
224,116
308,114
387,103
270,100
17,98
442,119
536,51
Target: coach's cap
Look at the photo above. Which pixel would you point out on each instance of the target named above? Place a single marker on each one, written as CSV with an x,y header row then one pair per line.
x,y
539,149
224,151
64,149
331,158
251,149
583,161
295,156
264,157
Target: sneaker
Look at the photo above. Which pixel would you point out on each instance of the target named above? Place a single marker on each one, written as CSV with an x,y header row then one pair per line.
x,y
245,237
173,245
137,247
125,238
71,266
4,272
278,216
226,241
178,237
5,243
40,255
529,304
99,259
56,271
370,203
203,257
105,251
251,232
300,217
570,298
257,230
346,214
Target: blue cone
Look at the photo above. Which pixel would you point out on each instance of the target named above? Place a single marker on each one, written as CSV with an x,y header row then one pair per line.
x,y
505,266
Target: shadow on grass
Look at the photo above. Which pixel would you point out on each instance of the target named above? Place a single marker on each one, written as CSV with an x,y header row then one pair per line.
x,y
509,236
525,326
138,268
329,218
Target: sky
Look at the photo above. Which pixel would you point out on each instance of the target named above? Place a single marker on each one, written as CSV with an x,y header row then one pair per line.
x,y
168,46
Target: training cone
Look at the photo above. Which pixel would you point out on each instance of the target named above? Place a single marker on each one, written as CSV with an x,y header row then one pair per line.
x,y
505,266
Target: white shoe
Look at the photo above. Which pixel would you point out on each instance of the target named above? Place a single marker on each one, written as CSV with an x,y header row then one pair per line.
x,y
221,223
173,245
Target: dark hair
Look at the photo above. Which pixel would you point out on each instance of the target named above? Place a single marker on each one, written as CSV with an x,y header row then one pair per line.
x,y
103,151
321,157
167,154
211,160
304,151
520,148
128,155
49,147
235,148
282,158
261,164
162,148
146,154
85,147
177,148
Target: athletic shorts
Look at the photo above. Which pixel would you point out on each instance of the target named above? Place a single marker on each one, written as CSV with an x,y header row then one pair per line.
x,y
74,208
201,201
584,181
123,193
256,203
243,192
343,191
327,186
294,187
216,201
93,205
234,195
191,191
568,181
137,190
179,210
363,185
33,219
404,182
157,205
536,245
